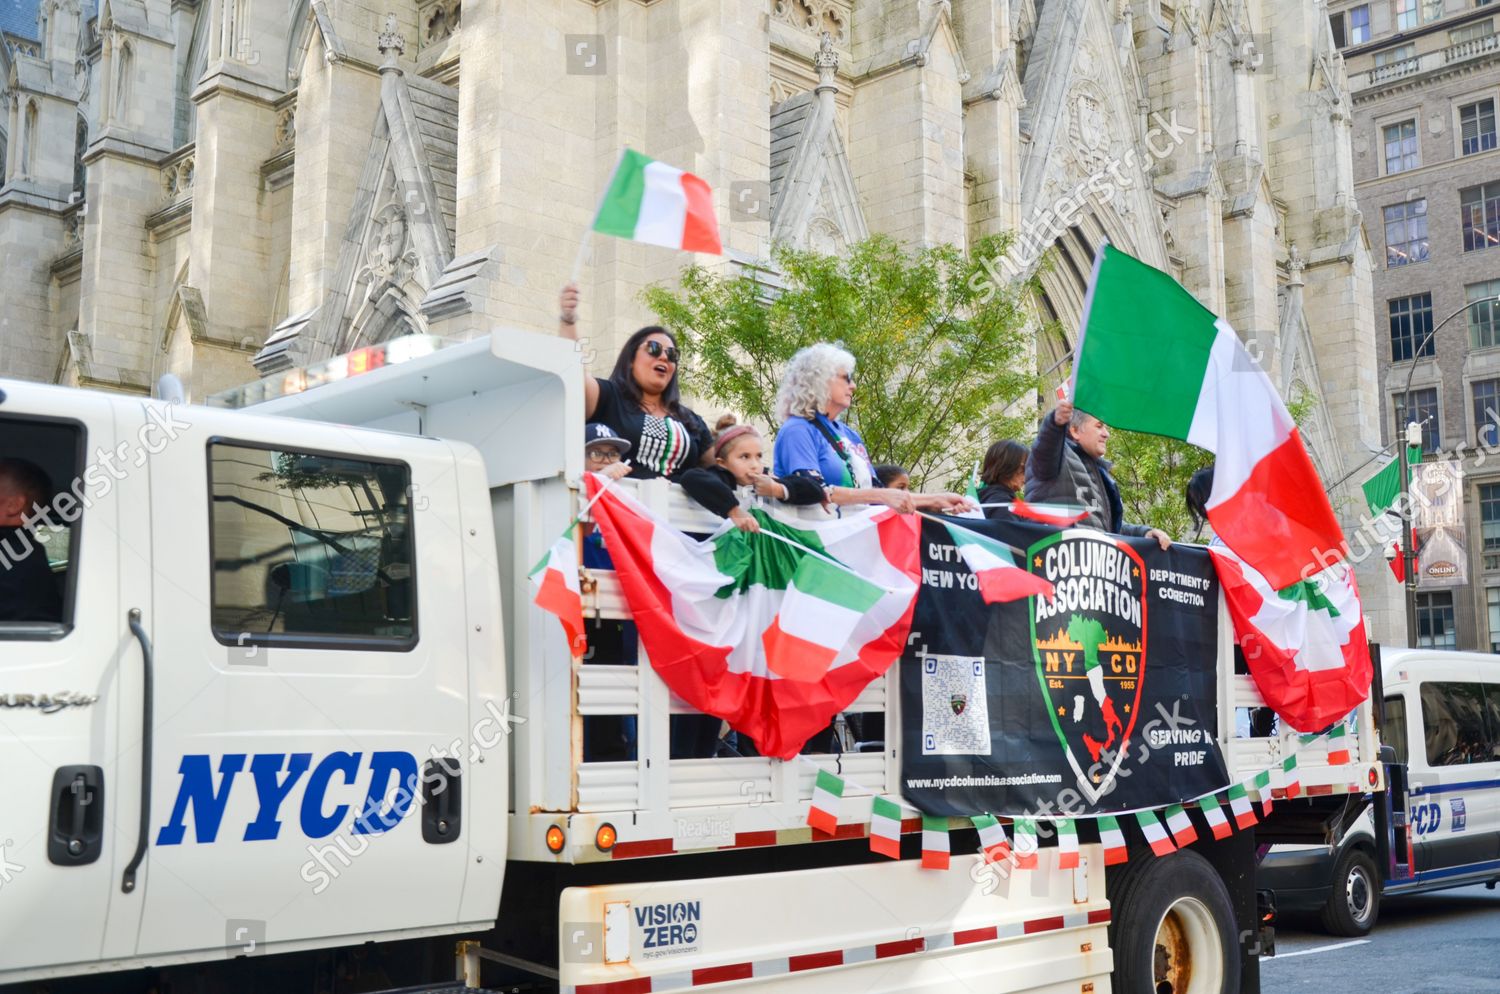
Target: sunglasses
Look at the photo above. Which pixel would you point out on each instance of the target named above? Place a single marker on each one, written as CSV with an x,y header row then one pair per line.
x,y
656,349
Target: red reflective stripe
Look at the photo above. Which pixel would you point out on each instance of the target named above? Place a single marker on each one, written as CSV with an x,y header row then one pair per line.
x,y
969,935
814,961
1319,789
720,974
1098,917
902,947
909,825
645,847
748,839
635,985
1043,925
848,832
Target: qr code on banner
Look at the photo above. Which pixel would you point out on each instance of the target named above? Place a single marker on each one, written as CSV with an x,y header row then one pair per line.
x,y
955,708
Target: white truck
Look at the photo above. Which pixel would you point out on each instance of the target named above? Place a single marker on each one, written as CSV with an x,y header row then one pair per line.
x,y
277,618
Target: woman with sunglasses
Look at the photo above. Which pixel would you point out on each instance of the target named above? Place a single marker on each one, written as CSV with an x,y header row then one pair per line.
x,y
816,389
639,400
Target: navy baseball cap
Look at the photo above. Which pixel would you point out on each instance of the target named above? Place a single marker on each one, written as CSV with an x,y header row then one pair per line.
x,y
595,433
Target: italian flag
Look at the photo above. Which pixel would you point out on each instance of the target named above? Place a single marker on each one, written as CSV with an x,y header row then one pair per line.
x,y
1000,579
992,839
823,815
1067,845
1262,785
652,202
1026,847
727,621
885,828
934,842
1214,812
1291,780
1304,643
1181,825
555,579
1156,835
1113,840
1058,515
1153,359
1338,745
1239,805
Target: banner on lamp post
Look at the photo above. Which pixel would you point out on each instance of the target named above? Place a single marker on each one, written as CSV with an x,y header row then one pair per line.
x,y
1437,496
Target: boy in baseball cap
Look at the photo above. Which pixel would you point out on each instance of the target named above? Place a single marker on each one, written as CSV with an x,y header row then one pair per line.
x,y
604,451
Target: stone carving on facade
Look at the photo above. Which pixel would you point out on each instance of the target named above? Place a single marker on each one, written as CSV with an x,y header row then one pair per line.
x,y
439,20
392,42
1088,126
390,257
815,17
286,127
177,176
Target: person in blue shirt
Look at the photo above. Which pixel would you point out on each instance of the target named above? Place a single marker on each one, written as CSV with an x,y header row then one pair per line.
x,y
816,389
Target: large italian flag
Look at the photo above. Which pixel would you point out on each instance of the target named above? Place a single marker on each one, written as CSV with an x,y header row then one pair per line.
x,y
652,202
1304,644
775,637
1153,359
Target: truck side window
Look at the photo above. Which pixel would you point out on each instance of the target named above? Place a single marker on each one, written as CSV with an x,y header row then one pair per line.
x,y
1394,731
310,549
1453,718
43,499
1492,718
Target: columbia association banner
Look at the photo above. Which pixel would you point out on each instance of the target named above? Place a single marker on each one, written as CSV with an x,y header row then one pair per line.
x,y
1102,700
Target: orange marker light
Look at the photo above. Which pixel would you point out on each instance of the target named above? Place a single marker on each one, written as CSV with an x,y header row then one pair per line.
x,y
556,839
604,839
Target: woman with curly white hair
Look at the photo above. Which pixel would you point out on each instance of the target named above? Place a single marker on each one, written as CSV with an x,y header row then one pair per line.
x,y
816,389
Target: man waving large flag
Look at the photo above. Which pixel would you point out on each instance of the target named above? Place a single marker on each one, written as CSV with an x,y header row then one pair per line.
x,y
1153,359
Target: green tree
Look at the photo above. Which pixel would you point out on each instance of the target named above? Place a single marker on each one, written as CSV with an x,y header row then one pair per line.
x,y
940,356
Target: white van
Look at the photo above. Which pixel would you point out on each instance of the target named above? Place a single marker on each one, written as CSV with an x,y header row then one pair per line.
x,y
1442,721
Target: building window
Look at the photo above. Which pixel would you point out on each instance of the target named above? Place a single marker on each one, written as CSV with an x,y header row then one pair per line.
x,y
1359,24
1479,206
1435,621
1477,125
1401,147
1411,322
1492,602
1486,411
1406,14
1390,56
1469,32
1406,233
1484,318
1424,410
1489,522
1431,10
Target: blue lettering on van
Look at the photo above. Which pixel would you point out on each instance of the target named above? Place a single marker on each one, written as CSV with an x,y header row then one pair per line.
x,y
388,797
669,924
1427,818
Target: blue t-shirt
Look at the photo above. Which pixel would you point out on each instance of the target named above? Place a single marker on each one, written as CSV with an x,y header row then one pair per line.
x,y
801,447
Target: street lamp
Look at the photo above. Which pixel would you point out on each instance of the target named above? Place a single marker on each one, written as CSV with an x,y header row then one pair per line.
x,y
1414,437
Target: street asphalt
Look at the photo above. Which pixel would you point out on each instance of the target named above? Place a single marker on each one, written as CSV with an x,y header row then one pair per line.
x,y
1443,943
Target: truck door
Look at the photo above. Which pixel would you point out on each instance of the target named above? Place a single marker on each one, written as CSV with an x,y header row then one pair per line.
x,y
1449,811
310,640
67,661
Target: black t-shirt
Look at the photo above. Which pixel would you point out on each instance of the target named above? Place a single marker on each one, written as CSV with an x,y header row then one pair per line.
x,y
658,446
27,589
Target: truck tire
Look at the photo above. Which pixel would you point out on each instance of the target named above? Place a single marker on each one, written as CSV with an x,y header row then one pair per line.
x,y
1354,896
1172,927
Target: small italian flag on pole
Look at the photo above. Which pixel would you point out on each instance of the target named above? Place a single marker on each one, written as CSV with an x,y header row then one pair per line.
x,y
1113,840
828,791
652,202
935,842
885,828
1183,373
993,841
1156,835
1067,845
1181,825
1291,780
1000,579
1217,820
822,605
555,579
1059,515
1239,804
1262,785
1338,745
1026,848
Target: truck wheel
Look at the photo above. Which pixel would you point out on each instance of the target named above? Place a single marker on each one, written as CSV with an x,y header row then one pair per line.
x,y
1173,927
1354,898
